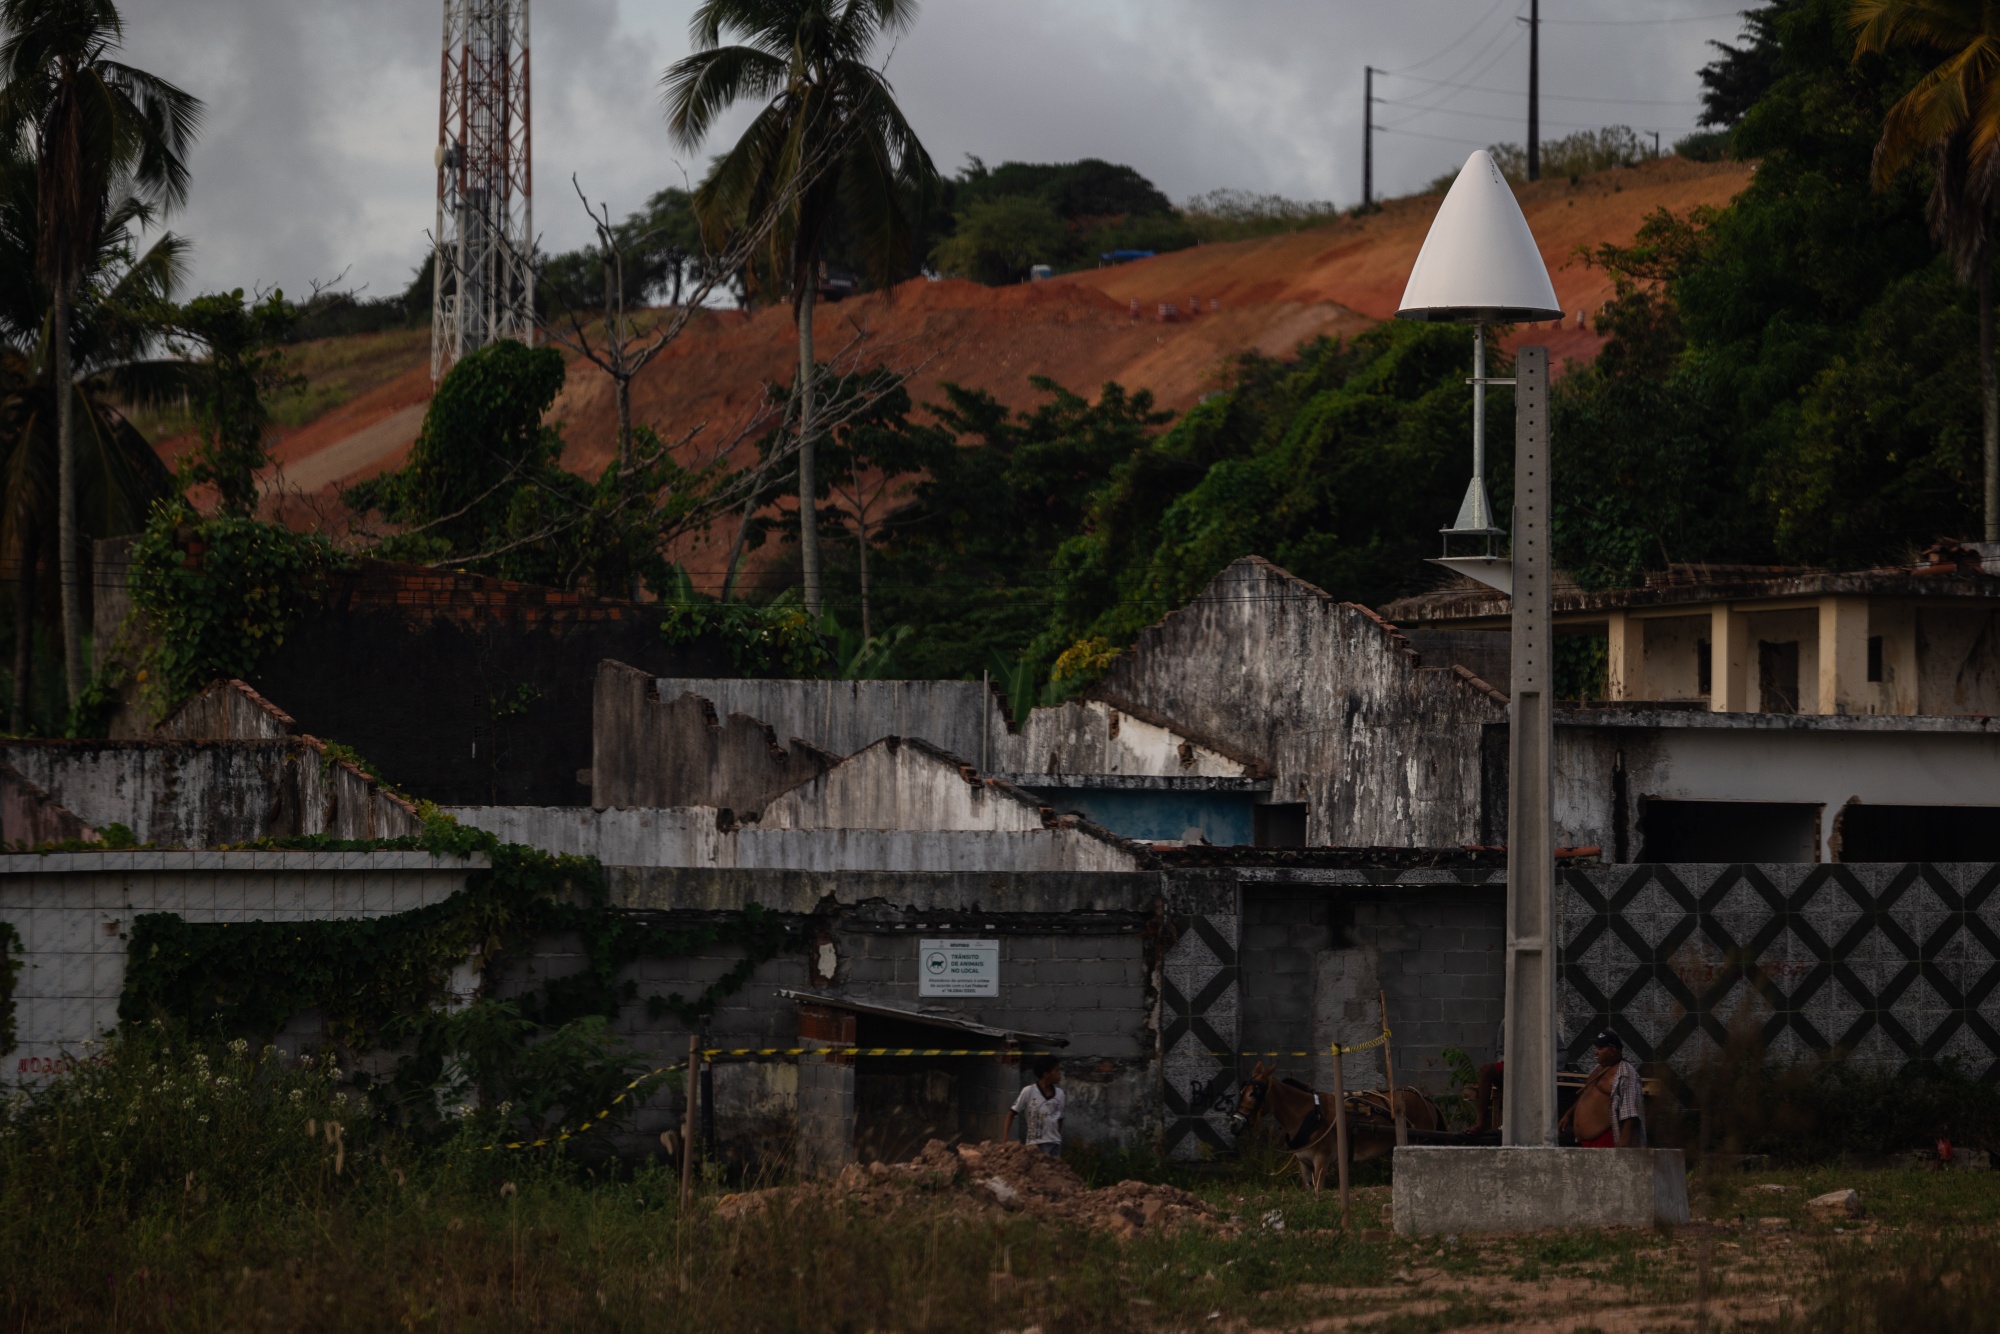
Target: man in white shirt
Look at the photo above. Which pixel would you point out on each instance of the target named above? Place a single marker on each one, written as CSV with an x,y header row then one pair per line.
x,y
1040,1106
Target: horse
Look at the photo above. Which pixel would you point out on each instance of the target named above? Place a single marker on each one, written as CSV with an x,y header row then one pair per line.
x,y
1306,1120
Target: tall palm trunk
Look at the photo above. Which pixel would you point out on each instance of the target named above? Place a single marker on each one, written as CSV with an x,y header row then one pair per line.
x,y
1989,393
808,483
25,597
74,669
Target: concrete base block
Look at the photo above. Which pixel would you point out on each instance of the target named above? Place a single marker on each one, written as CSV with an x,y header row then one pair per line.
x,y
1483,1189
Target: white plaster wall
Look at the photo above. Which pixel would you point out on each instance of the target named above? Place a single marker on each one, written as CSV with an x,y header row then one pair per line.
x,y
73,911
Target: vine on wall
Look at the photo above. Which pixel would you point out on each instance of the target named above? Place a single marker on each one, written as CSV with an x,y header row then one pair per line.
x,y
218,594
10,969
376,980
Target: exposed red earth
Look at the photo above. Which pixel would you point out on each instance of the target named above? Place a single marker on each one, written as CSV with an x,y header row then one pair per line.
x,y
1269,294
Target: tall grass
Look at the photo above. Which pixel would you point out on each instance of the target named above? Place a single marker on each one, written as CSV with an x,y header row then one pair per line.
x,y
163,1184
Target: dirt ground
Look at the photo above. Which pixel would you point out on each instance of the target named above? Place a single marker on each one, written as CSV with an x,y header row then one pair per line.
x,y
996,1179
1268,1256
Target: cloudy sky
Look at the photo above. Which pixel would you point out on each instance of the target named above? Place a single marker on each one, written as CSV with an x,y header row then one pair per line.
x,y
315,157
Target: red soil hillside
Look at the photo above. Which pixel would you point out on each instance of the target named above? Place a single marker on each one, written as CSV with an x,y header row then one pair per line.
x,y
1272,293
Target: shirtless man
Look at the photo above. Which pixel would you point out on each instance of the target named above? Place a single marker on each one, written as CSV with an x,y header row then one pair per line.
x,y
1610,1112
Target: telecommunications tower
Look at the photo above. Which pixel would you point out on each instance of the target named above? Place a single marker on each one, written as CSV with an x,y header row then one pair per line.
x,y
483,283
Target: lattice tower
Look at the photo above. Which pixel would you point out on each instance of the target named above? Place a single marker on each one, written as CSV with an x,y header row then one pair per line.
x,y
484,279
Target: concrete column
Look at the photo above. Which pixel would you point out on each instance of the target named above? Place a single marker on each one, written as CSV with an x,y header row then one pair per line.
x,y
1625,669
1529,1094
826,1092
1729,660
1843,657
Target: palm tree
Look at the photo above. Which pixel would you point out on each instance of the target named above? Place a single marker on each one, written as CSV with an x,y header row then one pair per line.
x,y
114,317
100,133
830,140
1951,117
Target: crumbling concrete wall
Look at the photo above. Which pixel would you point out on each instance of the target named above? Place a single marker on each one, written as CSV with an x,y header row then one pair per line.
x,y
201,794
900,783
228,710
841,717
1092,737
30,818
1958,656
694,836
676,750
1383,750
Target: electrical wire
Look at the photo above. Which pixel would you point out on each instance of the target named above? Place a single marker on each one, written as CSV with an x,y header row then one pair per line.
x,y
1558,97
1455,43
1636,23
1485,115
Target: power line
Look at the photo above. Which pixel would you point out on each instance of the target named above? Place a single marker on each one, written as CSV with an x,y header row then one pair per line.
x,y
1478,115
1553,97
1635,23
1456,42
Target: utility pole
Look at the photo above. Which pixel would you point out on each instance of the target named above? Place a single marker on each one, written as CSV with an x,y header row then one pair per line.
x,y
1367,135
1534,90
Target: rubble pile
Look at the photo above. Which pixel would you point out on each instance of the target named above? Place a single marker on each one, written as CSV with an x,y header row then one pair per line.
x,y
992,1178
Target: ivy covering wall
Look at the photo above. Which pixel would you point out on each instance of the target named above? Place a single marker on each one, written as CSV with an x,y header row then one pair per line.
x,y
378,982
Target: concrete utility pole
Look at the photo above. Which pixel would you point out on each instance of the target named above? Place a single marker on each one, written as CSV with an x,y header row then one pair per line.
x,y
1534,90
1367,135
1529,1093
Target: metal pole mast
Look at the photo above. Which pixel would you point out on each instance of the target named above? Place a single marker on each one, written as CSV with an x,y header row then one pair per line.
x,y
483,288
1367,135
1529,1093
1534,90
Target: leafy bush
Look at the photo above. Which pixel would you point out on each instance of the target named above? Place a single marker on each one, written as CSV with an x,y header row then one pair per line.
x,y
1704,146
219,593
1577,154
502,1077
155,1117
777,638
1233,215
1000,240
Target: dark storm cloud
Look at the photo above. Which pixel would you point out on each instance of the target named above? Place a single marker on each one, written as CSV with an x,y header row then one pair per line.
x,y
316,154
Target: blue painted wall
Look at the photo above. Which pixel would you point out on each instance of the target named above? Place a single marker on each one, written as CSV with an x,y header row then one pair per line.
x,y
1226,819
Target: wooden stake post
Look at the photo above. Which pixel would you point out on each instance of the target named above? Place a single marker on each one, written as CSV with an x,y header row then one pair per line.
x,y
687,1131
1340,1126
1389,1073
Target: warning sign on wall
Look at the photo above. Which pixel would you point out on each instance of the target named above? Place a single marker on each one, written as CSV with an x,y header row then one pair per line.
x,y
958,968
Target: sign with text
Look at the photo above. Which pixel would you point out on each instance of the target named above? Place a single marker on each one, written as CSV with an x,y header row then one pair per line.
x,y
958,968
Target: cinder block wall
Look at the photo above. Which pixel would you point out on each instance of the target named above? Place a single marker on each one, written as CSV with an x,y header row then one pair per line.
x,y
1314,959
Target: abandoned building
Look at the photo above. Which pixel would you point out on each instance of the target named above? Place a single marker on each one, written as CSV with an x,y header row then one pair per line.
x,y
1273,817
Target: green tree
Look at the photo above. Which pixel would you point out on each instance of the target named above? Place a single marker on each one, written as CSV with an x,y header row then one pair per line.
x,y
101,134
829,140
1951,120
484,486
239,365
1000,240
110,329
966,559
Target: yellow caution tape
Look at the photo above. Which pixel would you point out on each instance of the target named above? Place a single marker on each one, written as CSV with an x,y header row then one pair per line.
x,y
599,1119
